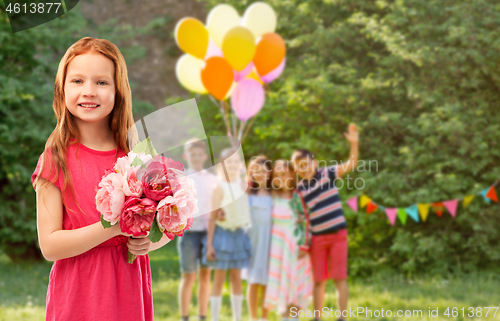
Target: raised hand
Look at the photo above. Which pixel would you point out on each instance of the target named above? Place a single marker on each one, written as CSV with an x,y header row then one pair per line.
x,y
352,135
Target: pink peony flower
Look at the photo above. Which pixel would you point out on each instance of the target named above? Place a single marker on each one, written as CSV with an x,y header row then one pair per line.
x,y
171,236
131,185
123,163
155,184
175,212
137,215
110,198
168,162
186,202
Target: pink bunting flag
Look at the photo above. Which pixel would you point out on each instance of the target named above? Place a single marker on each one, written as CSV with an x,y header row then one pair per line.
x,y
391,214
353,203
451,206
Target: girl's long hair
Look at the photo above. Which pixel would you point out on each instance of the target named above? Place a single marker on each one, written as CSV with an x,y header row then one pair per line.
x,y
260,160
120,118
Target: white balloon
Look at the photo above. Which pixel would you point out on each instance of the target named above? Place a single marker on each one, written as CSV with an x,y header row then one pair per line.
x,y
220,20
188,71
260,18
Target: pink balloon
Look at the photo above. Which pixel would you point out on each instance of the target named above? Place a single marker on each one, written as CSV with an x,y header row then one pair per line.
x,y
273,74
247,98
239,75
213,50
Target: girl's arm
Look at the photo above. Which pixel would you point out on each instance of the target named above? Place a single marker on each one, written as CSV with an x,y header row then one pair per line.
x,y
216,200
155,246
56,243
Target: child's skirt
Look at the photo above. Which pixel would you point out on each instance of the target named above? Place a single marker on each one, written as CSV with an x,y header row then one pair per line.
x,y
232,248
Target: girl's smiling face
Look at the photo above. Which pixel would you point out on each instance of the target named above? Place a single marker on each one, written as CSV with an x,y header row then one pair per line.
x,y
282,178
259,174
89,87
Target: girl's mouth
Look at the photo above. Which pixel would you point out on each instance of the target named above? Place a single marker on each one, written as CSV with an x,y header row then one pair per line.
x,y
89,106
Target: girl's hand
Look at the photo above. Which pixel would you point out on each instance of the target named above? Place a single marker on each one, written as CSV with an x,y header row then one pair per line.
x,y
139,245
302,254
211,255
221,215
352,135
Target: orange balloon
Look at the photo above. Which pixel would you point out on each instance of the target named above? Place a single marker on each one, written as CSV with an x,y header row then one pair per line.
x,y
217,77
269,53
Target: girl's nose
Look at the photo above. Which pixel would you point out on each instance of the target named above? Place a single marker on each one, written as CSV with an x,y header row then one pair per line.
x,y
89,90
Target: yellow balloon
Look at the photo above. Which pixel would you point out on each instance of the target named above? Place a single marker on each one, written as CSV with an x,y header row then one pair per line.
x,y
192,37
238,47
188,71
220,20
254,75
260,18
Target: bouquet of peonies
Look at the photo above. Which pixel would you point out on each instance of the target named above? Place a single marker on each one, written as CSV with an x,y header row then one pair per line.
x,y
147,194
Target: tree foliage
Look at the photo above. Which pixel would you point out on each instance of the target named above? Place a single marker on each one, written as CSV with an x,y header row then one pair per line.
x,y
421,80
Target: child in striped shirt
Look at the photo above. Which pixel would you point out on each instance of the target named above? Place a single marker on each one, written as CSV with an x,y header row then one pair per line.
x,y
326,222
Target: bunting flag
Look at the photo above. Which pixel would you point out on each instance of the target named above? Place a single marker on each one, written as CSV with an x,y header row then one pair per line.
x,y
402,215
451,206
492,194
414,210
438,208
353,203
364,200
484,193
371,207
424,210
391,214
468,199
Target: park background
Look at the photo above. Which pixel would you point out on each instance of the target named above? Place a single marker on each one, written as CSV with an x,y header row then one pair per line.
x,y
420,78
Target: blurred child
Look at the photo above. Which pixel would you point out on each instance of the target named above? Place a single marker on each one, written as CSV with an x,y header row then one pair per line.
x,y
227,246
323,207
190,245
261,202
290,280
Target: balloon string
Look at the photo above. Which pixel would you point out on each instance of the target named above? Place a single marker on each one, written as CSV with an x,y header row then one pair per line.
x,y
224,117
242,126
247,129
233,118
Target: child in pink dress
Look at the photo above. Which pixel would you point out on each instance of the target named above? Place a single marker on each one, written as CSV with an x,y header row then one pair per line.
x,y
90,278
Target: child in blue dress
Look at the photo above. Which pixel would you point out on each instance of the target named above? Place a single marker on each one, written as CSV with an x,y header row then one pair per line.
x,y
261,203
227,247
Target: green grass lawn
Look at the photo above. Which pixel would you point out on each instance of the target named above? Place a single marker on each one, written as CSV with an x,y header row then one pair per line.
x,y
23,288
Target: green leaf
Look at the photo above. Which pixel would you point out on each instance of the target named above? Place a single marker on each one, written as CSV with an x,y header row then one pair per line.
x,y
138,161
146,147
105,223
155,234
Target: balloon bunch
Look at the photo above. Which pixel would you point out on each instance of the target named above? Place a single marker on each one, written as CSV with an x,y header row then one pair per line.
x,y
231,57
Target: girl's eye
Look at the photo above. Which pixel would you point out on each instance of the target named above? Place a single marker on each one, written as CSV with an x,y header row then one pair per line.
x,y
76,81
102,82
